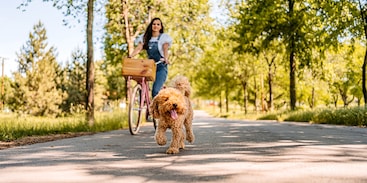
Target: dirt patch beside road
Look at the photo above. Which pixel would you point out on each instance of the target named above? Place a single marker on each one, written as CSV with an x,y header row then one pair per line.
x,y
39,139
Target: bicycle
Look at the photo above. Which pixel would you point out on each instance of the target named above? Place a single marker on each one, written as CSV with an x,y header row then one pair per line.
x,y
142,71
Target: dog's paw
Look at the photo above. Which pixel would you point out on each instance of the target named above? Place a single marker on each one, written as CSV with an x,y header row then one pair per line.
x,y
161,141
190,138
172,150
182,146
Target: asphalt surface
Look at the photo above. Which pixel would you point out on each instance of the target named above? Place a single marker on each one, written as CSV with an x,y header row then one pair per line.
x,y
224,151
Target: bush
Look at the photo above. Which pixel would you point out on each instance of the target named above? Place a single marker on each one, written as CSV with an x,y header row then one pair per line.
x,y
273,116
356,116
300,116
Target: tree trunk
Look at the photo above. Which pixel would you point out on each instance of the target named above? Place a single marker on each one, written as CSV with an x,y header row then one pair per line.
x,y
130,35
128,31
227,101
335,100
364,89
220,103
255,94
2,85
270,83
245,99
129,39
90,66
344,96
292,62
292,82
262,93
312,105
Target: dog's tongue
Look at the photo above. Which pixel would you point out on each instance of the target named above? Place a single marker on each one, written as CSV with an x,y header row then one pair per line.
x,y
174,114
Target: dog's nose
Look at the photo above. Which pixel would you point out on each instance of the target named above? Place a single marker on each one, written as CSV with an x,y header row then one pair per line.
x,y
174,105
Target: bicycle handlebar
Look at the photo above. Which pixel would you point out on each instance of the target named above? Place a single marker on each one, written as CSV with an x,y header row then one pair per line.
x,y
159,62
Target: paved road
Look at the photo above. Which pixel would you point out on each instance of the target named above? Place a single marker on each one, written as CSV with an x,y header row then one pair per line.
x,y
224,151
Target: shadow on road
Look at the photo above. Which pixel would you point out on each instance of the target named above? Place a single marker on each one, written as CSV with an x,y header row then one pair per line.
x,y
224,150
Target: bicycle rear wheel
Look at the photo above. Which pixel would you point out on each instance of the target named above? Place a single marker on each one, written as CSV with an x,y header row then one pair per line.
x,y
135,110
150,118
155,124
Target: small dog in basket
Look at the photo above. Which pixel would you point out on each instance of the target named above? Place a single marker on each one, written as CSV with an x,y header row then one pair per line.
x,y
172,107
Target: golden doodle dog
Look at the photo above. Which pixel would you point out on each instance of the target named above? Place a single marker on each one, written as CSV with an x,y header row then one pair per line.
x,y
172,108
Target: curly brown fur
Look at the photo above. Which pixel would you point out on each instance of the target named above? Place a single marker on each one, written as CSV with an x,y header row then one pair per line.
x,y
181,83
172,107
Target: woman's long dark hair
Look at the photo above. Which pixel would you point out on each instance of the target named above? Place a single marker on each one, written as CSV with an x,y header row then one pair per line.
x,y
149,31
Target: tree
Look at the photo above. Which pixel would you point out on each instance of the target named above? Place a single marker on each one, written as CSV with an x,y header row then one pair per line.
x,y
90,65
125,21
191,28
8,92
299,25
73,82
73,77
128,19
102,102
219,72
347,19
271,58
359,29
344,75
35,85
74,9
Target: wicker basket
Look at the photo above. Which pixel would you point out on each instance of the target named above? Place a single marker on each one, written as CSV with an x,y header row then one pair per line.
x,y
138,68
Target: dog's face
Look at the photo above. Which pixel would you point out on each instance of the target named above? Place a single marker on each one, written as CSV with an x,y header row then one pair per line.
x,y
169,103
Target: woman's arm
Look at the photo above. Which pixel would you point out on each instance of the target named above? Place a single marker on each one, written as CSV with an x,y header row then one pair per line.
x,y
136,50
165,52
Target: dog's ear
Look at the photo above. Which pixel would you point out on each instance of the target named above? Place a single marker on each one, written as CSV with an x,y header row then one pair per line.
x,y
153,108
187,91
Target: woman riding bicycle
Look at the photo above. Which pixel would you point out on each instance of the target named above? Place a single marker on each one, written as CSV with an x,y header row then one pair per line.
x,y
156,42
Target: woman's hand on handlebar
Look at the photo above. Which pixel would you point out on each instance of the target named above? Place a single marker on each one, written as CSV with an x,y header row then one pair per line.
x,y
164,60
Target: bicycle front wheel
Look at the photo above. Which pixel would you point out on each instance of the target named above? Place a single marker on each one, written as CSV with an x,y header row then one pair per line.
x,y
135,110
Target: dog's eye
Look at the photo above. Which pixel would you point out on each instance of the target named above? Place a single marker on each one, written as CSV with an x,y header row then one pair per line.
x,y
166,99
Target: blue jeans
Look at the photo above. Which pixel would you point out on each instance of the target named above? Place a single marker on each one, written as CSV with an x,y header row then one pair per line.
x,y
160,78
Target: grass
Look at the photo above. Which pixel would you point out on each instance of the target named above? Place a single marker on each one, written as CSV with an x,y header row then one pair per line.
x,y
300,116
13,127
353,116
233,114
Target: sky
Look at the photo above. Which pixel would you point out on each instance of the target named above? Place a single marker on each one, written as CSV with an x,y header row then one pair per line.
x,y
17,24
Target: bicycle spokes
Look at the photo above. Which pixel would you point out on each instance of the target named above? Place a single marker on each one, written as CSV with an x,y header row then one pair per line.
x,y
135,111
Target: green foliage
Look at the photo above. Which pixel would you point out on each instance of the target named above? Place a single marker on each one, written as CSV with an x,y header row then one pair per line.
x,y
306,29
73,82
35,86
14,127
191,28
100,87
8,94
355,116
128,19
272,116
43,88
300,116
230,63
125,21
341,72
